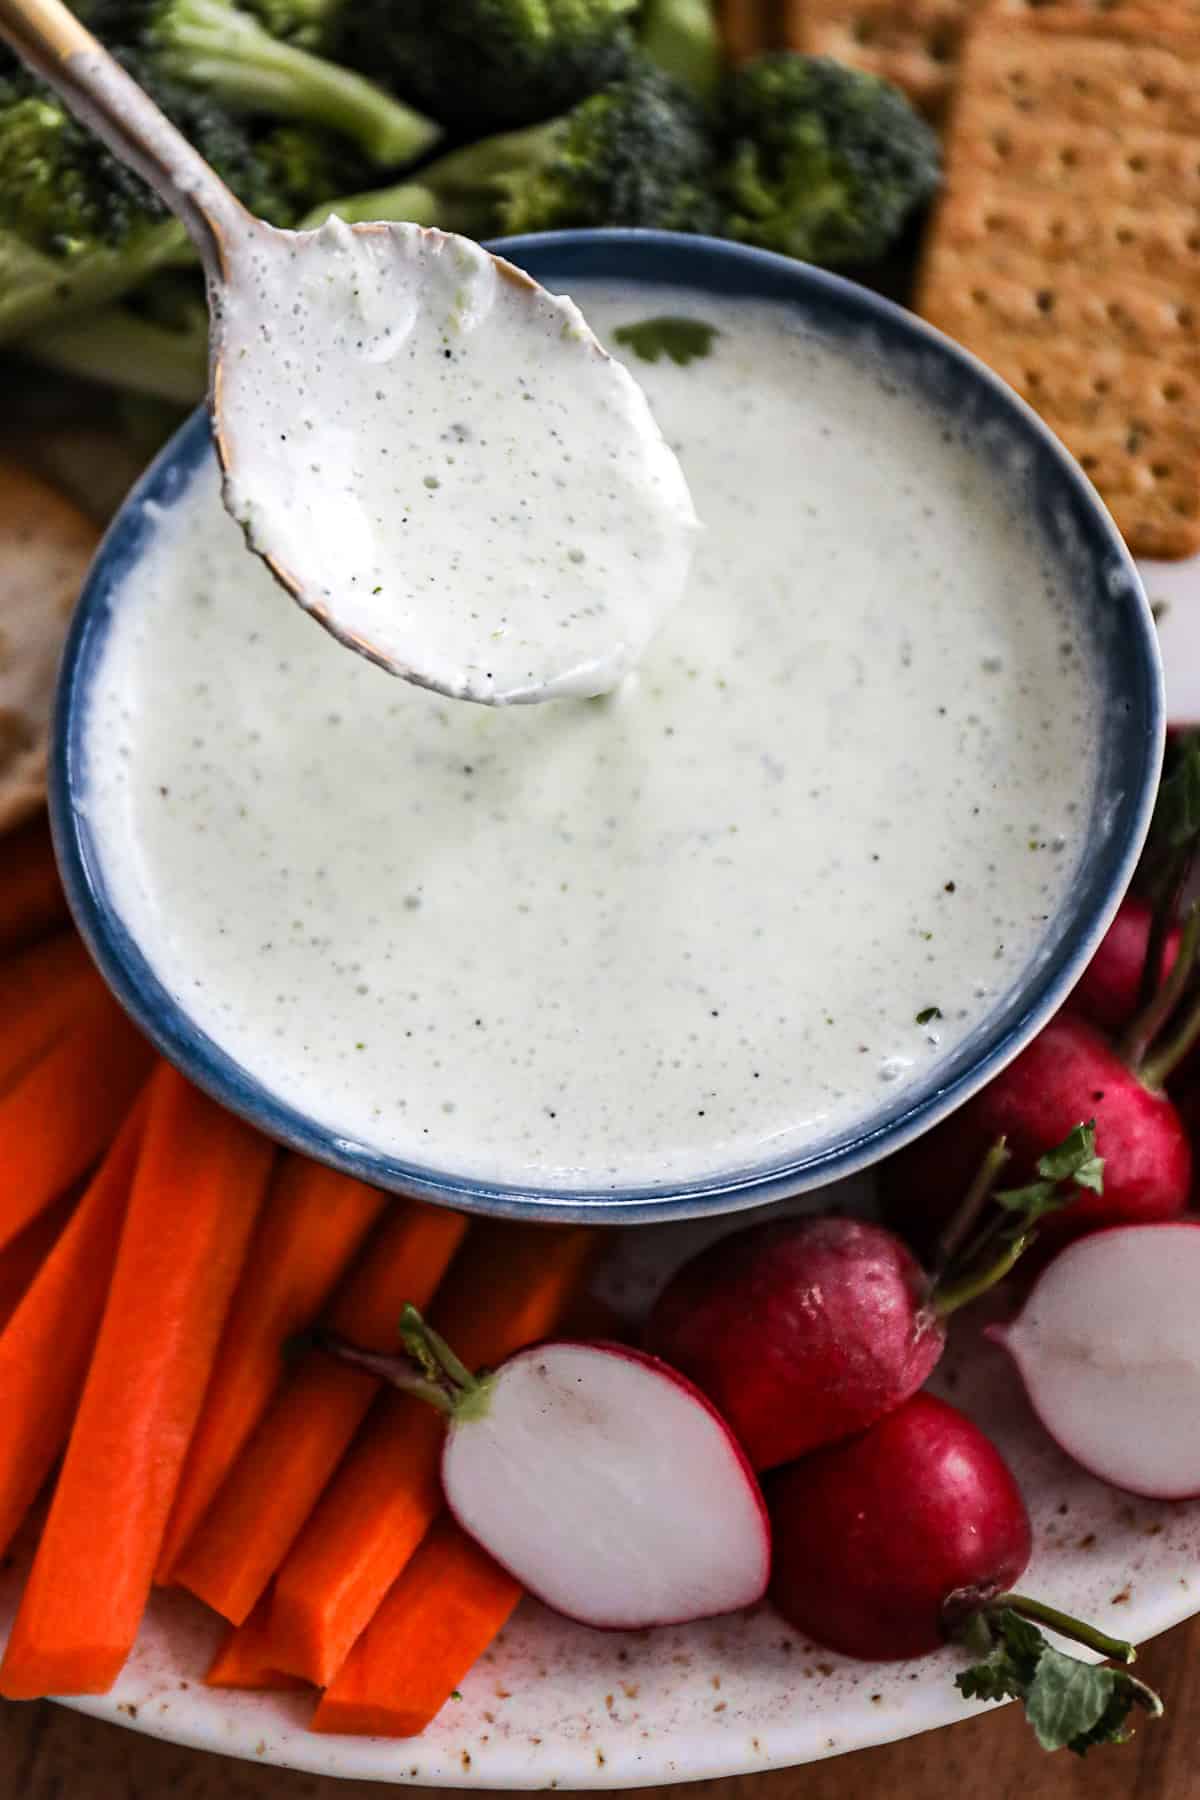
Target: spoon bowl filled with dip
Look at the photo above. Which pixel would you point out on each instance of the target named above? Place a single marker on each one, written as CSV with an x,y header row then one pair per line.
x,y
827,858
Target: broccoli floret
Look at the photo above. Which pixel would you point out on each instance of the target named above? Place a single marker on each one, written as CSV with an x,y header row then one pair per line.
x,y
682,39
78,229
313,24
218,49
485,65
824,162
54,188
298,168
636,153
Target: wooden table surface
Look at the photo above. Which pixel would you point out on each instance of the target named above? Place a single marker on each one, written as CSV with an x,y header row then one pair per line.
x,y
47,1753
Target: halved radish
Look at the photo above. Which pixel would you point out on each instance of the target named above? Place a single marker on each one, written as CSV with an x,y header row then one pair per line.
x,y
600,1477
1108,1345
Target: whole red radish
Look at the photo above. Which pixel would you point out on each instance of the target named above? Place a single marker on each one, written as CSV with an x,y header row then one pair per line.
x,y
800,1331
599,1477
1069,1072
878,1541
911,1535
1108,993
804,1331
1108,1345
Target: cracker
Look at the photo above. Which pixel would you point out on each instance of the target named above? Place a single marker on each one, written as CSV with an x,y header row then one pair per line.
x,y
744,27
1066,247
45,548
913,43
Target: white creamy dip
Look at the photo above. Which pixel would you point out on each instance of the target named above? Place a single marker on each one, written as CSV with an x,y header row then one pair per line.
x,y
443,462
695,926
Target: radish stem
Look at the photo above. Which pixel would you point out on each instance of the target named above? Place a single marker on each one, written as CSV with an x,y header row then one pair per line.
x,y
1166,907
1157,1069
1090,1636
948,1298
1135,1045
428,1368
395,1370
965,1219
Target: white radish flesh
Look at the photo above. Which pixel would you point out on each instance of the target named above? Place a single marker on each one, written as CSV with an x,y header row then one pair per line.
x,y
610,1488
1108,1345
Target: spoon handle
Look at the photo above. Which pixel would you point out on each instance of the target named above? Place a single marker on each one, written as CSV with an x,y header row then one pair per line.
x,y
51,40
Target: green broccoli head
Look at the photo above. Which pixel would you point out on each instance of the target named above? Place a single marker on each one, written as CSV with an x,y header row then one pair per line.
x,y
823,162
78,229
313,24
296,169
636,153
59,190
485,65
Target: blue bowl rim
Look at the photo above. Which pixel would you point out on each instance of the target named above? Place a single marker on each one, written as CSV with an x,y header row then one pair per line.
x,y
164,1020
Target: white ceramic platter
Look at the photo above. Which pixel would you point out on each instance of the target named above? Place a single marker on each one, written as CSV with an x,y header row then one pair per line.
x,y
553,1704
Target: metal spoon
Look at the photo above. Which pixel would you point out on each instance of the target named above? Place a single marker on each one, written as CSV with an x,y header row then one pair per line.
x,y
538,571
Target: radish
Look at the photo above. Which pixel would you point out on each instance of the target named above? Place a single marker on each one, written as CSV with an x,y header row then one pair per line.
x,y
1072,1070
596,1475
1069,1072
804,1331
1109,990
800,1331
1108,1346
891,1544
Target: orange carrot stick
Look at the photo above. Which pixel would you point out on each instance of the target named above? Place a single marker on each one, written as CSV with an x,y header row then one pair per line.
x,y
512,1287
198,1187
303,1435
313,1222
31,896
433,1626
241,1662
45,1347
41,991
63,1110
21,1260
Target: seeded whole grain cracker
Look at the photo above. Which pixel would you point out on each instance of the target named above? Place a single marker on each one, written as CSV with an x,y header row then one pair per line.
x,y
912,43
1066,248
45,548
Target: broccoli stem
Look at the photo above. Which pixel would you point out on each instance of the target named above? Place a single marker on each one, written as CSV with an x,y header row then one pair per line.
x,y
410,201
212,45
36,289
119,349
681,36
462,191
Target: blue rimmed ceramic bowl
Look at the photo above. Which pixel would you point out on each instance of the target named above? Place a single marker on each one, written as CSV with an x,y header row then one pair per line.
x,y
1111,606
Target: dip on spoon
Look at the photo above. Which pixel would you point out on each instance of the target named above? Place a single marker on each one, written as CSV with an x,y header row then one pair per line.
x,y
434,456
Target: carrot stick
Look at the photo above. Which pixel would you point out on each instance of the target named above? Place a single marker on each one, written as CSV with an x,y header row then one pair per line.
x,y
510,1289
241,1662
41,991
64,1109
313,1222
198,1187
433,1626
21,1260
45,1347
31,896
305,1431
